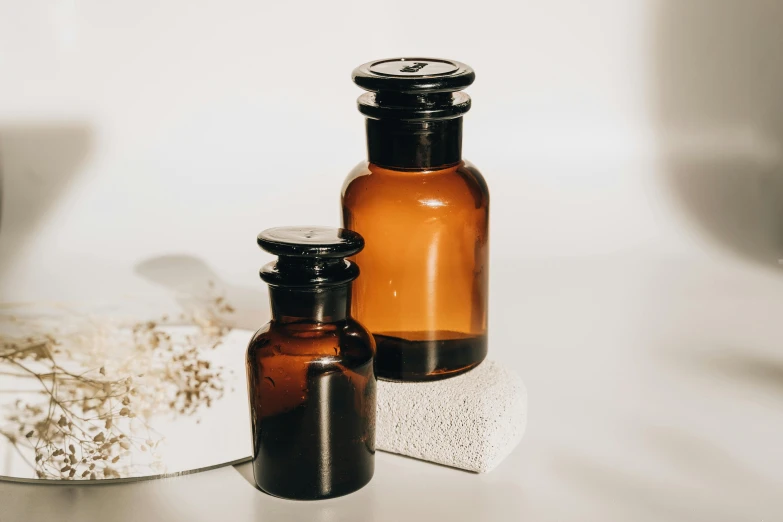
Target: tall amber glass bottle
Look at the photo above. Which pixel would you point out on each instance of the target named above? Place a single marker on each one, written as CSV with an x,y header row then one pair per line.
x,y
424,214
310,373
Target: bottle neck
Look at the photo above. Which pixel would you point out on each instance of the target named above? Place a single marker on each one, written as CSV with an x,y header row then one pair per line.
x,y
414,145
328,304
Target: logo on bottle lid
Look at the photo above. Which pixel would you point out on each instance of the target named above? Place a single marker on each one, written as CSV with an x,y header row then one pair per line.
x,y
411,66
416,67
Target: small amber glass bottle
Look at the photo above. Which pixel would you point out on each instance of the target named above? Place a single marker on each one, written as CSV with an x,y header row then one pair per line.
x,y
310,372
424,213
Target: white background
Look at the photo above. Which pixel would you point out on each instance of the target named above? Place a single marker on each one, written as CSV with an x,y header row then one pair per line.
x,y
131,130
634,154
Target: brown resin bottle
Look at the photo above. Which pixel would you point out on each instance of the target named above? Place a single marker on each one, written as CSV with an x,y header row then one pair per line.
x,y
310,372
424,213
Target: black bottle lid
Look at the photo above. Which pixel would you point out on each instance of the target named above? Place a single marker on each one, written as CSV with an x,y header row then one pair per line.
x,y
310,256
414,88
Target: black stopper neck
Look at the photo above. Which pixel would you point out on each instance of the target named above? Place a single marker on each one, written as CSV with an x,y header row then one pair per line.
x,y
414,145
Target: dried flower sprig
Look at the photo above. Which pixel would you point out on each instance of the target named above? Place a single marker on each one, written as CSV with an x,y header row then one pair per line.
x,y
86,414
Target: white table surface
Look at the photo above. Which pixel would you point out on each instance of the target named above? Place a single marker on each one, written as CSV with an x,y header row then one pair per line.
x,y
656,393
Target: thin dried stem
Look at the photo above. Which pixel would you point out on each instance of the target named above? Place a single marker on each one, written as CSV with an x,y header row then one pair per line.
x,y
81,428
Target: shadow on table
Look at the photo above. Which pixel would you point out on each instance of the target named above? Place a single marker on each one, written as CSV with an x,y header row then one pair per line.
x,y
710,485
735,366
409,496
189,276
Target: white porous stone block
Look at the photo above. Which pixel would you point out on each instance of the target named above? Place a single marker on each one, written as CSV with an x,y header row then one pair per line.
x,y
471,421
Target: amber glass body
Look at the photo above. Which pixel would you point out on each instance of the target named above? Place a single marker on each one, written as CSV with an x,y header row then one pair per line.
x,y
423,287
312,396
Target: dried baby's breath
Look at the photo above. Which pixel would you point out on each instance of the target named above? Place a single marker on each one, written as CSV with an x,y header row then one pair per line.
x,y
83,424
